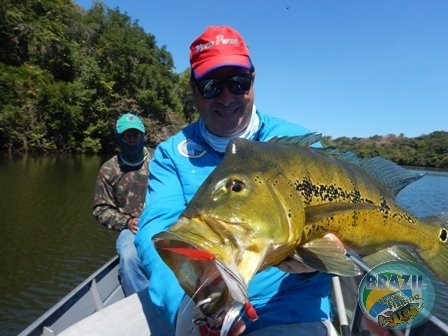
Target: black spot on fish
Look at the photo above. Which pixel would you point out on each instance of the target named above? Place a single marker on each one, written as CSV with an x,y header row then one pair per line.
x,y
258,179
328,193
384,205
443,235
305,188
355,196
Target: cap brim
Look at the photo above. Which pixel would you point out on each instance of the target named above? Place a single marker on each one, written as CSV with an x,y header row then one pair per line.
x,y
121,129
217,62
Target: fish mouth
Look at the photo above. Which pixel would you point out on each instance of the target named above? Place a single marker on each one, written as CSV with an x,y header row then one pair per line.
x,y
212,259
199,272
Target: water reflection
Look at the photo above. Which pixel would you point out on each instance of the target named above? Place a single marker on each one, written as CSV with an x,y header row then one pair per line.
x,y
427,196
50,241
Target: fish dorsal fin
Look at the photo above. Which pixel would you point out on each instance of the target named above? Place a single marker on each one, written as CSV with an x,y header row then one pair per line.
x,y
389,174
305,140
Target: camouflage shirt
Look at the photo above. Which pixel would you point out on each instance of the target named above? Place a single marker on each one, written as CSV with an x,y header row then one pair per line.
x,y
120,192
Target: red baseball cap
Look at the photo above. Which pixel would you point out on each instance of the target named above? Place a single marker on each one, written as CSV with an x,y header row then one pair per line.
x,y
218,46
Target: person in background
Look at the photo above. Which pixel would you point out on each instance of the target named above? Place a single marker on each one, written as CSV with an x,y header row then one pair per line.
x,y
222,82
120,193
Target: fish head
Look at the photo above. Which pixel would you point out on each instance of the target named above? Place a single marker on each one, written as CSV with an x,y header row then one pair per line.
x,y
245,217
195,269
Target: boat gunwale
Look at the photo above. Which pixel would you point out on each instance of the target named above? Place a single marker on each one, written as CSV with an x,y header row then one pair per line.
x,y
54,314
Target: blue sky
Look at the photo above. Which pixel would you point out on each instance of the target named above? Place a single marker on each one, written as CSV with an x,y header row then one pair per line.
x,y
354,68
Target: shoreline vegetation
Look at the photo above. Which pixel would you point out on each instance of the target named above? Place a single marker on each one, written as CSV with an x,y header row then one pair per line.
x,y
425,151
67,73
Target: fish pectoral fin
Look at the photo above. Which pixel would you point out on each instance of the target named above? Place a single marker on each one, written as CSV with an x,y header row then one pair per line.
x,y
392,253
317,213
325,255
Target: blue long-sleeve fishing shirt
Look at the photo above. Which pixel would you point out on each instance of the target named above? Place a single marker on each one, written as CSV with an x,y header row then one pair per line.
x,y
178,168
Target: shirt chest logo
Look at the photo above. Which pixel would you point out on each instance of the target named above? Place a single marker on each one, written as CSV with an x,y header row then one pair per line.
x,y
190,149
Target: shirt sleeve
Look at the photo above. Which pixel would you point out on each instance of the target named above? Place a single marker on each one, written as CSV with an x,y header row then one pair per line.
x,y
105,208
165,201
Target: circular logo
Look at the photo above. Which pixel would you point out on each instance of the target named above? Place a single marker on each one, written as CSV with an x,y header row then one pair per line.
x,y
397,295
190,149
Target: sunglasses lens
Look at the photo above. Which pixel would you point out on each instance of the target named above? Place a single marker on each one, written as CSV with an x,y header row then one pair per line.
x,y
211,88
239,85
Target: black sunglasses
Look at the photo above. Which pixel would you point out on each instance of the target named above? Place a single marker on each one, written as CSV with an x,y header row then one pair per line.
x,y
212,88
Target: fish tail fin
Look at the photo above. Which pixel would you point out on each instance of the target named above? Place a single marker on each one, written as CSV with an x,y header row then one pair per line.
x,y
437,277
436,258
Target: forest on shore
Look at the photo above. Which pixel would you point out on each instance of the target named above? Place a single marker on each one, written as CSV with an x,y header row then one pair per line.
x,y
428,150
67,73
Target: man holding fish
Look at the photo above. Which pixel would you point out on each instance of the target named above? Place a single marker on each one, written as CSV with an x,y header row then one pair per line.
x,y
280,303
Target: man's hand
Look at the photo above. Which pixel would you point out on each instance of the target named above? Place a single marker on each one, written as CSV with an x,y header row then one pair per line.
x,y
132,225
290,265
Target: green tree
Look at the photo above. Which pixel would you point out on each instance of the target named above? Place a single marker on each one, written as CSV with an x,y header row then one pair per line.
x,y
67,74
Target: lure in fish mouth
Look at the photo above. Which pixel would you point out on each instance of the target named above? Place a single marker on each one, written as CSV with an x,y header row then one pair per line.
x,y
211,266
208,278
196,271
218,290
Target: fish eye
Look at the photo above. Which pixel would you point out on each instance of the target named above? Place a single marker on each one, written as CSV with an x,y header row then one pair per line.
x,y
235,186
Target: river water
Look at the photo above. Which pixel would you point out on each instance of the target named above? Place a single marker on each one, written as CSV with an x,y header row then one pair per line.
x,y
50,242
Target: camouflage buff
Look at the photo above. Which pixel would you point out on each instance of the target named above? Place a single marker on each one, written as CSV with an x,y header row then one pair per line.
x,y
120,192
